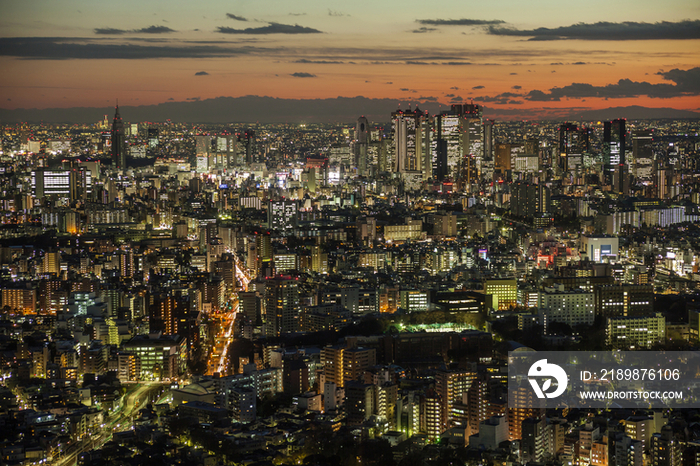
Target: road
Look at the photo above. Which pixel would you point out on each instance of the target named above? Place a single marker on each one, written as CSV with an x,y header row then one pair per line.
x,y
228,337
120,420
242,274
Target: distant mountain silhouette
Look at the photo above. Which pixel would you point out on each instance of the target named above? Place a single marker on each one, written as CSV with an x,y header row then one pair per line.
x,y
635,112
247,109
250,109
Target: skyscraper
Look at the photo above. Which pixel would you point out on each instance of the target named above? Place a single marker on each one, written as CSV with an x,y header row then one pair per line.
x,y
118,141
472,137
152,138
202,152
644,167
458,143
408,133
445,145
614,133
487,161
361,142
226,147
251,151
573,142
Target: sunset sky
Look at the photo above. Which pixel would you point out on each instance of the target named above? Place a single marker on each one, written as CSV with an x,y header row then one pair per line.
x,y
505,54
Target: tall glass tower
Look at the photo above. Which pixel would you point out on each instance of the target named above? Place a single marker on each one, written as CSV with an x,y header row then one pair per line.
x,y
118,141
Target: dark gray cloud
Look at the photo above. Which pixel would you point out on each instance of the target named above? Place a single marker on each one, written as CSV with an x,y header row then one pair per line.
x,y
688,29
148,30
150,40
303,75
272,28
154,30
457,63
336,13
58,48
459,22
196,99
110,31
478,87
685,82
236,17
318,62
456,99
201,73
454,88
423,30
501,99
517,87
428,98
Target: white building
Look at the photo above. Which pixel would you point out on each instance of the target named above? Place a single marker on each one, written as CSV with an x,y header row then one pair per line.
x,y
574,307
635,332
599,247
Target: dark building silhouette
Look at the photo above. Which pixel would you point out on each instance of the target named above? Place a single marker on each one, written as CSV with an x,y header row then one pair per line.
x,y
614,133
118,141
251,155
573,142
361,144
528,200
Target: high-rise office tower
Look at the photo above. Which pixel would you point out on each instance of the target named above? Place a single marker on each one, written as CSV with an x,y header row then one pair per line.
x,y
226,151
487,161
472,138
202,152
614,133
361,144
644,168
152,138
457,145
118,141
445,145
502,160
573,142
251,151
408,135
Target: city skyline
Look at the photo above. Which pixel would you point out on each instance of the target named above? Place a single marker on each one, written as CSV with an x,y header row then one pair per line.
x,y
517,62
